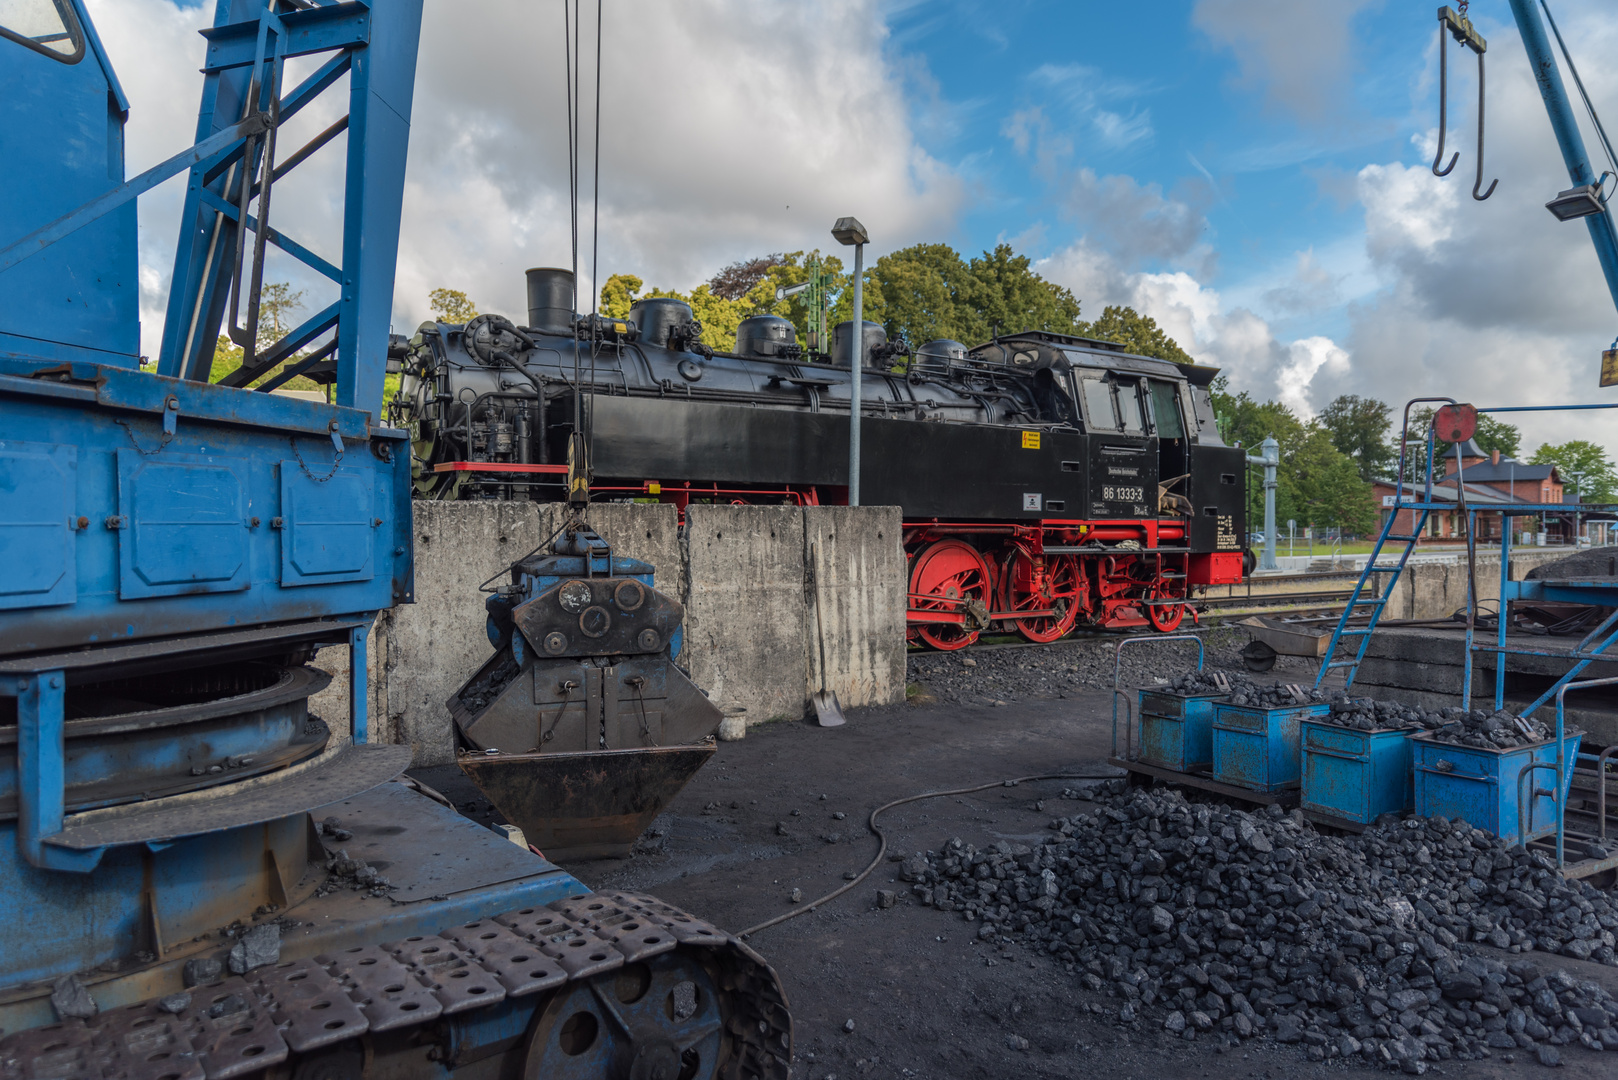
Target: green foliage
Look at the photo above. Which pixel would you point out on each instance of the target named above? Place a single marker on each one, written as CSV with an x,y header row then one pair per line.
x,y
452,306
1498,435
1138,333
620,291
227,357
918,294
1359,429
924,293
1598,483
1325,485
277,303
1316,484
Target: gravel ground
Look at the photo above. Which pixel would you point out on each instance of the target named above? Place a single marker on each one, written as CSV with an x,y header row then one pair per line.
x,y
784,811
999,675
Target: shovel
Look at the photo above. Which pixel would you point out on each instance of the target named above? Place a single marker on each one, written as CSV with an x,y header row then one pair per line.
x,y
828,710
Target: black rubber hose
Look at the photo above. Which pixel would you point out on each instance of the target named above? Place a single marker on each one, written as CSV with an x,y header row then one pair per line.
x,y
882,846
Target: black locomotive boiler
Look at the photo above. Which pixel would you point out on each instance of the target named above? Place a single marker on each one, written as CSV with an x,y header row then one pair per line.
x,y
1046,481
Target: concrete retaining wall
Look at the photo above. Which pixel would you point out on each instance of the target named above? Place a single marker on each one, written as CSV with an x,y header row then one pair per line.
x,y
751,578
1435,588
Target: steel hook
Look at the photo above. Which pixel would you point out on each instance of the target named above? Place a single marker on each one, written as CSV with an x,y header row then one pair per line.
x,y
1443,86
1479,181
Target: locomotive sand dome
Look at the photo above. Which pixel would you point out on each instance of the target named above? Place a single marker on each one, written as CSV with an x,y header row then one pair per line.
x,y
1046,481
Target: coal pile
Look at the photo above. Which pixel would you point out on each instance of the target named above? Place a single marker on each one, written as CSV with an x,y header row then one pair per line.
x,y
1274,696
1500,730
1367,714
1211,922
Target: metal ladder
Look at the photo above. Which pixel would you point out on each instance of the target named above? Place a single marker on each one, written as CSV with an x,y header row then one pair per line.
x,y
1358,604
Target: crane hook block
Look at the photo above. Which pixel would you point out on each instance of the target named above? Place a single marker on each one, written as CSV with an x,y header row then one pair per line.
x,y
1462,29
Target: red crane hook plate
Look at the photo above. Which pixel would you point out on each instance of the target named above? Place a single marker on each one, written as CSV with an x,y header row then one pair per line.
x,y
1456,423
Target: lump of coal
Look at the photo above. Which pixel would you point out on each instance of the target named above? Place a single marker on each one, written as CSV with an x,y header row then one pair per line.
x,y
257,948
70,998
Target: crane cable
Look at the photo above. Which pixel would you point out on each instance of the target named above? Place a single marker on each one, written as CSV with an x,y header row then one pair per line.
x,y
882,837
1590,108
573,67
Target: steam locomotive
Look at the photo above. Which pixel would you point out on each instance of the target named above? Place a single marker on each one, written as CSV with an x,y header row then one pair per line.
x,y
1046,481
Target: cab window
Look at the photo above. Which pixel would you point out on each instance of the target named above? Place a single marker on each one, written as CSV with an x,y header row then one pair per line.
x,y
1166,410
46,26
1098,410
1129,406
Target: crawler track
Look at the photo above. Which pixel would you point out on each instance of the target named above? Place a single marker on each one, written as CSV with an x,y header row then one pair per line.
x,y
583,987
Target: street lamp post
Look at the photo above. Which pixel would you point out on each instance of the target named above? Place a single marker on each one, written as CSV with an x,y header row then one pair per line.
x,y
849,231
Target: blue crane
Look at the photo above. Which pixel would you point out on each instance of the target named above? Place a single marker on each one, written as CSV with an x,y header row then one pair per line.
x,y
174,546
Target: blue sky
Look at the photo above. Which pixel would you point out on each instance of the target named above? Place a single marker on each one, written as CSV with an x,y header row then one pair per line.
x,y
1252,173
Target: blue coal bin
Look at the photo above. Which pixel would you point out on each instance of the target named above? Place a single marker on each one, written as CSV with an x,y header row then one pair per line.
x,y
1506,792
1355,776
1257,748
1176,730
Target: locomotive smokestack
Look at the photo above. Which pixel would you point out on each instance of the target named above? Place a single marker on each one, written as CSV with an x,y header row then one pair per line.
x,y
550,300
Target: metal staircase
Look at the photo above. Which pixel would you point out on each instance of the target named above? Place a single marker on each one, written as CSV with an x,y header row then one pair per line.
x,y
1359,605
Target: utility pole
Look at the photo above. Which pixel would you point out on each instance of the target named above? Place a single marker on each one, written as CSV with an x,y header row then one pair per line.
x,y
1578,478
849,231
1269,458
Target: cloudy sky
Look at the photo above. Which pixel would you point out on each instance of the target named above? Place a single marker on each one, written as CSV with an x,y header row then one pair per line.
x,y
1253,173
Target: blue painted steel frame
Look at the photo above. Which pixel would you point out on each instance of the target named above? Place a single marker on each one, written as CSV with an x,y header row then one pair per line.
x,y
246,49
1595,644
62,393
1566,126
1117,673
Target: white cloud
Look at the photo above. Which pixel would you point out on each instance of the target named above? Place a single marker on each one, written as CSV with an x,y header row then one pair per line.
x,y
1234,338
729,128
1306,358
1300,54
1495,302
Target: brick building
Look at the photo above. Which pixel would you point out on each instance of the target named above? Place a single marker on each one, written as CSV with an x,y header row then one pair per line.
x,y
1490,479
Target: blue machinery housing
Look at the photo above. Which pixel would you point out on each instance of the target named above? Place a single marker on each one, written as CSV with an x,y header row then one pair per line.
x,y
172,550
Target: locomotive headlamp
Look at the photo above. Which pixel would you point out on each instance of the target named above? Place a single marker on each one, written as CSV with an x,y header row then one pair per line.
x,y
848,230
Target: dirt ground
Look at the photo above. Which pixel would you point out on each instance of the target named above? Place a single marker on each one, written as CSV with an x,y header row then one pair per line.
x,y
786,809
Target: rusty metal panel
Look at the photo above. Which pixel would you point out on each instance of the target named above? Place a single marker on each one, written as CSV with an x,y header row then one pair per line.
x,y
238,1042
514,960
309,1006
387,992
585,805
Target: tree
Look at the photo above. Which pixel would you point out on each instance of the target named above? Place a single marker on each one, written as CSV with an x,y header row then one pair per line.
x,y
1359,429
620,291
276,303
1138,333
452,306
1598,483
741,277
1325,485
1498,435
1004,291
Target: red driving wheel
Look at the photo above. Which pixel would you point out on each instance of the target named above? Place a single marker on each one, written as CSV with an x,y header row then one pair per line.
x,y
1166,616
1056,590
945,574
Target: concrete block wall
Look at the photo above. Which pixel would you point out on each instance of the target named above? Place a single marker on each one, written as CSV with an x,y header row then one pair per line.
x,y
749,577
1435,588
